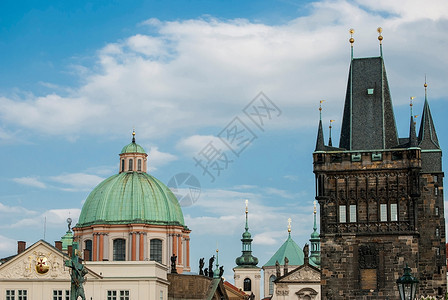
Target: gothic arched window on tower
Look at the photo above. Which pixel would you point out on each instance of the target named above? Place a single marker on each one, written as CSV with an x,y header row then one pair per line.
x,y
271,284
131,162
247,285
119,249
155,250
352,213
88,246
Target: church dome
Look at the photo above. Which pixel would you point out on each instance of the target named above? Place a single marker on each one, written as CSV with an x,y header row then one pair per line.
x,y
131,196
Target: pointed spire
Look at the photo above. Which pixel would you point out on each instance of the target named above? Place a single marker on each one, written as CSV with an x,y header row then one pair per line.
x,y
315,241
289,226
246,260
320,145
412,135
380,38
330,143
427,136
351,40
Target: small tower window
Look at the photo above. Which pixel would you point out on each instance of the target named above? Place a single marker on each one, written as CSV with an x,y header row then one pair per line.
x,y
119,249
122,165
131,162
88,247
247,285
352,213
155,250
383,212
139,165
393,212
436,191
342,214
437,232
271,284
436,211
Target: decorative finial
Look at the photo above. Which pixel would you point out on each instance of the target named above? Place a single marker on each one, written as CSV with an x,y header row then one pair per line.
x,y
133,135
380,37
330,143
320,109
289,225
351,40
411,104
415,119
315,209
69,222
247,202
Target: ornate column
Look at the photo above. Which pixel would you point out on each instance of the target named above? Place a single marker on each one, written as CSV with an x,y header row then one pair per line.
x,y
141,246
101,247
95,247
179,249
134,245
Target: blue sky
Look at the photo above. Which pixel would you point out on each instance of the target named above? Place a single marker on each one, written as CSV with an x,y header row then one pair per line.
x,y
77,77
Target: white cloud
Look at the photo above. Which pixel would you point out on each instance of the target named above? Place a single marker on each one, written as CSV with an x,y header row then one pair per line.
x,y
7,245
52,217
198,73
194,144
157,158
15,210
77,181
30,181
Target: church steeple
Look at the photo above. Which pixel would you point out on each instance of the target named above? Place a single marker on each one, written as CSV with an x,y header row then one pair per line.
x,y
427,136
247,260
320,144
368,122
412,135
315,241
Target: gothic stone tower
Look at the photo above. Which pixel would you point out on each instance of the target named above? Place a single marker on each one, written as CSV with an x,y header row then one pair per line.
x,y
380,196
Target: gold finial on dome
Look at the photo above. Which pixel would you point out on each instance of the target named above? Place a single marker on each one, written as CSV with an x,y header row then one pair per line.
x,y
289,225
133,135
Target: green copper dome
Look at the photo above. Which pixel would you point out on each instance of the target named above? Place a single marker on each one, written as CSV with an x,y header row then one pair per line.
x,y
133,147
131,197
290,250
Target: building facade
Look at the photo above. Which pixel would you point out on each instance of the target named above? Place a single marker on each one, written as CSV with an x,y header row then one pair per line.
x,y
380,196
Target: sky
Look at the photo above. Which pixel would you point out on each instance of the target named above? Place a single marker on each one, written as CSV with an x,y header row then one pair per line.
x,y
78,76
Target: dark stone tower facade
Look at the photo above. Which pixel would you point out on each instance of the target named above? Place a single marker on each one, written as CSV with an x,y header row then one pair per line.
x,y
380,196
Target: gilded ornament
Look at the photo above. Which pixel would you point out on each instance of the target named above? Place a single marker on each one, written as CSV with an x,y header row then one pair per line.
x,y
42,265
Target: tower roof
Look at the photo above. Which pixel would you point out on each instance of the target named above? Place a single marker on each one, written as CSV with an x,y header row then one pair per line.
x,y
246,260
427,136
368,122
290,250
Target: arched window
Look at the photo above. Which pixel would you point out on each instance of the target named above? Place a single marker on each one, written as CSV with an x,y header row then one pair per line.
x,y
139,165
247,285
131,162
271,284
120,249
122,165
155,250
88,246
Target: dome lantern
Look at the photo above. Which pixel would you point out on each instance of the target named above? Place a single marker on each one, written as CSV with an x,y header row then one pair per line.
x,y
133,157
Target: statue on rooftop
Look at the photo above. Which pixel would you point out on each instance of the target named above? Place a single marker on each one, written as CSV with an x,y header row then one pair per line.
x,y
210,266
77,273
277,269
201,266
173,264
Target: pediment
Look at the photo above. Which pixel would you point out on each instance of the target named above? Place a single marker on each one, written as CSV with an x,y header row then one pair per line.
x,y
40,261
304,273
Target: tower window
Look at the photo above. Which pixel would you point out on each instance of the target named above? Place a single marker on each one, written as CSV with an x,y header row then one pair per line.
x,y
271,284
352,213
119,249
155,250
393,212
139,165
436,191
122,165
437,232
383,212
436,211
435,178
342,214
88,246
247,285
131,162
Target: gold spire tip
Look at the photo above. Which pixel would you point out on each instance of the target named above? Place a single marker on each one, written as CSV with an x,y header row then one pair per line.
x,y
247,202
289,224
315,210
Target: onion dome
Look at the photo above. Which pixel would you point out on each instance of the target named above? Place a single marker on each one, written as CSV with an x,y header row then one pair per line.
x,y
131,196
246,260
